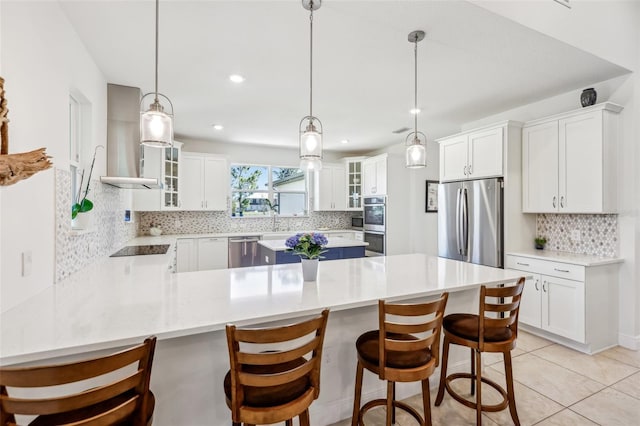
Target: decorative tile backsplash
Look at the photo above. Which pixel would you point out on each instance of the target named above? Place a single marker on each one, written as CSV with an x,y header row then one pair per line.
x,y
598,233
186,222
74,250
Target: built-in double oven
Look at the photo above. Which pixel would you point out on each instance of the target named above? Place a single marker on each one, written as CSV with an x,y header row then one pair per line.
x,y
375,225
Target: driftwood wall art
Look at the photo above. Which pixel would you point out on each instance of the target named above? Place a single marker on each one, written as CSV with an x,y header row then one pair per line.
x,y
16,167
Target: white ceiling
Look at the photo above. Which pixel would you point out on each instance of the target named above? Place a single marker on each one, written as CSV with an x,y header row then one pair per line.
x,y
472,64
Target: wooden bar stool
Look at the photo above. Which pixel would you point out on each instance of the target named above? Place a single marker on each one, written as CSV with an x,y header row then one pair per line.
x,y
272,386
395,354
481,333
125,400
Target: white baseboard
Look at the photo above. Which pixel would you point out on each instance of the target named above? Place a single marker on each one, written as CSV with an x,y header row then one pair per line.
x,y
629,342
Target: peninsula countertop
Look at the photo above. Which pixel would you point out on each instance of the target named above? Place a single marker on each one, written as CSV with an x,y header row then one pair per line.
x,y
119,301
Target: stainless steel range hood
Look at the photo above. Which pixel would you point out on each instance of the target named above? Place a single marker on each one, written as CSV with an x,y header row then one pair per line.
x,y
123,139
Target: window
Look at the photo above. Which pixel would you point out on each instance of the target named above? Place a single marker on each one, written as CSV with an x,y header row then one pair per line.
x,y
266,190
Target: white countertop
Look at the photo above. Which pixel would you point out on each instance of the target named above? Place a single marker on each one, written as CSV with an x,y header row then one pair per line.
x,y
284,234
279,245
119,301
566,257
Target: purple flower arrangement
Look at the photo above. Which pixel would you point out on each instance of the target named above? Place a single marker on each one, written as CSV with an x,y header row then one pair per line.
x,y
309,245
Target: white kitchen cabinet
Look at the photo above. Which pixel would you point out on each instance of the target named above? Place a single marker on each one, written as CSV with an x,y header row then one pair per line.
x,y
330,189
569,301
354,177
569,162
164,165
374,175
186,255
202,254
204,182
472,155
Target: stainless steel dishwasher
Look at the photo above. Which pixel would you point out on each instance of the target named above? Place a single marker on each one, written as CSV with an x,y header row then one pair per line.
x,y
243,251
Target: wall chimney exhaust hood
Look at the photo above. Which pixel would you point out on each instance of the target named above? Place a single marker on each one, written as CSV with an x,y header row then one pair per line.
x,y
123,139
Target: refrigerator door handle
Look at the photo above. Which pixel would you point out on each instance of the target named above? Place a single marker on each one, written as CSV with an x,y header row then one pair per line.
x,y
458,220
465,223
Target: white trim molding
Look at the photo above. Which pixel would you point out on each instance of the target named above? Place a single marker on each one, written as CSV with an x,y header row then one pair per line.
x,y
629,342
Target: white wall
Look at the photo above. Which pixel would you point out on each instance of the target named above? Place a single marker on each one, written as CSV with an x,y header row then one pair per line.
x,y
43,60
254,154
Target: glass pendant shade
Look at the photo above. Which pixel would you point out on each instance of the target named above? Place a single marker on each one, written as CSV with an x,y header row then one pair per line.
x,y
156,126
416,153
310,144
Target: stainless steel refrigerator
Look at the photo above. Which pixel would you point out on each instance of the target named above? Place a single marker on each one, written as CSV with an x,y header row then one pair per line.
x,y
470,224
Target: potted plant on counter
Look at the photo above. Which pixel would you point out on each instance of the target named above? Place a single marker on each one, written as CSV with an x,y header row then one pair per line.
x,y
540,242
310,247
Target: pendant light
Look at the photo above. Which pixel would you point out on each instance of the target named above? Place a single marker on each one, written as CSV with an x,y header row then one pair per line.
x,y
416,142
156,126
310,128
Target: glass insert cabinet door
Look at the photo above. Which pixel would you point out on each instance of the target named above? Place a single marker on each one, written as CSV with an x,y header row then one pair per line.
x,y
354,184
171,165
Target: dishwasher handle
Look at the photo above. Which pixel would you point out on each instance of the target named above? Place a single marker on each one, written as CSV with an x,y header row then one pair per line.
x,y
244,240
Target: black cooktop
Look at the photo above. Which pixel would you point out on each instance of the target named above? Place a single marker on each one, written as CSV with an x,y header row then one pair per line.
x,y
141,250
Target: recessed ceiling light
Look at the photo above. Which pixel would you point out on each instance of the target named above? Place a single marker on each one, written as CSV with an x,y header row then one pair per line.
x,y
344,141
414,110
236,78
218,126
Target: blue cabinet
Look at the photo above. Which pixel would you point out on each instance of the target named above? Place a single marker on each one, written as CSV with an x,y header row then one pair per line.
x,y
279,257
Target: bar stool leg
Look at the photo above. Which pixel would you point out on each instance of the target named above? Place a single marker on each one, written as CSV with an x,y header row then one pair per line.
x,y
443,371
426,402
390,408
289,422
473,371
479,388
393,398
304,418
510,388
356,398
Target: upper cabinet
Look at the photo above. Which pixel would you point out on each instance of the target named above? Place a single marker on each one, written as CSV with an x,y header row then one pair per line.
x,y
374,175
204,182
569,161
472,155
163,164
354,182
330,188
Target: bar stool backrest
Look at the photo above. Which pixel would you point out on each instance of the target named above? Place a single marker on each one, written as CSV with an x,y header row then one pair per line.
x,y
504,303
429,326
132,389
303,351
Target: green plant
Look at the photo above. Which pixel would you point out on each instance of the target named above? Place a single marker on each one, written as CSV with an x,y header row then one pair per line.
x,y
309,245
540,240
84,205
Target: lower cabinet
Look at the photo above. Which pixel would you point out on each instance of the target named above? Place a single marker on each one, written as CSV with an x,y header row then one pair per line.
x,y
201,254
574,302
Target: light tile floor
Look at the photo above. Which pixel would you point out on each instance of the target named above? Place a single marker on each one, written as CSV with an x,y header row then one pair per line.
x,y
554,385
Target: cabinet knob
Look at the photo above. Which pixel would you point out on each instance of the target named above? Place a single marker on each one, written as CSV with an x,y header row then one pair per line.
x,y
544,288
469,169
464,170
561,270
562,201
554,201
523,264
535,284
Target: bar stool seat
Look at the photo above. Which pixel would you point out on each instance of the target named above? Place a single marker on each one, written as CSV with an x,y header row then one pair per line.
x,y
481,333
400,352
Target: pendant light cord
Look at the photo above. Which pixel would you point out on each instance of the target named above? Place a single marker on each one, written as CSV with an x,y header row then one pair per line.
x,y
415,92
311,61
157,24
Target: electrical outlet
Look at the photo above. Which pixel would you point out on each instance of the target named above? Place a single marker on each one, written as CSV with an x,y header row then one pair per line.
x,y
575,235
27,262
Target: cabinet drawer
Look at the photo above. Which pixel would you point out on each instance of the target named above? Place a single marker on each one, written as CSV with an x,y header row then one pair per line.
x,y
546,267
